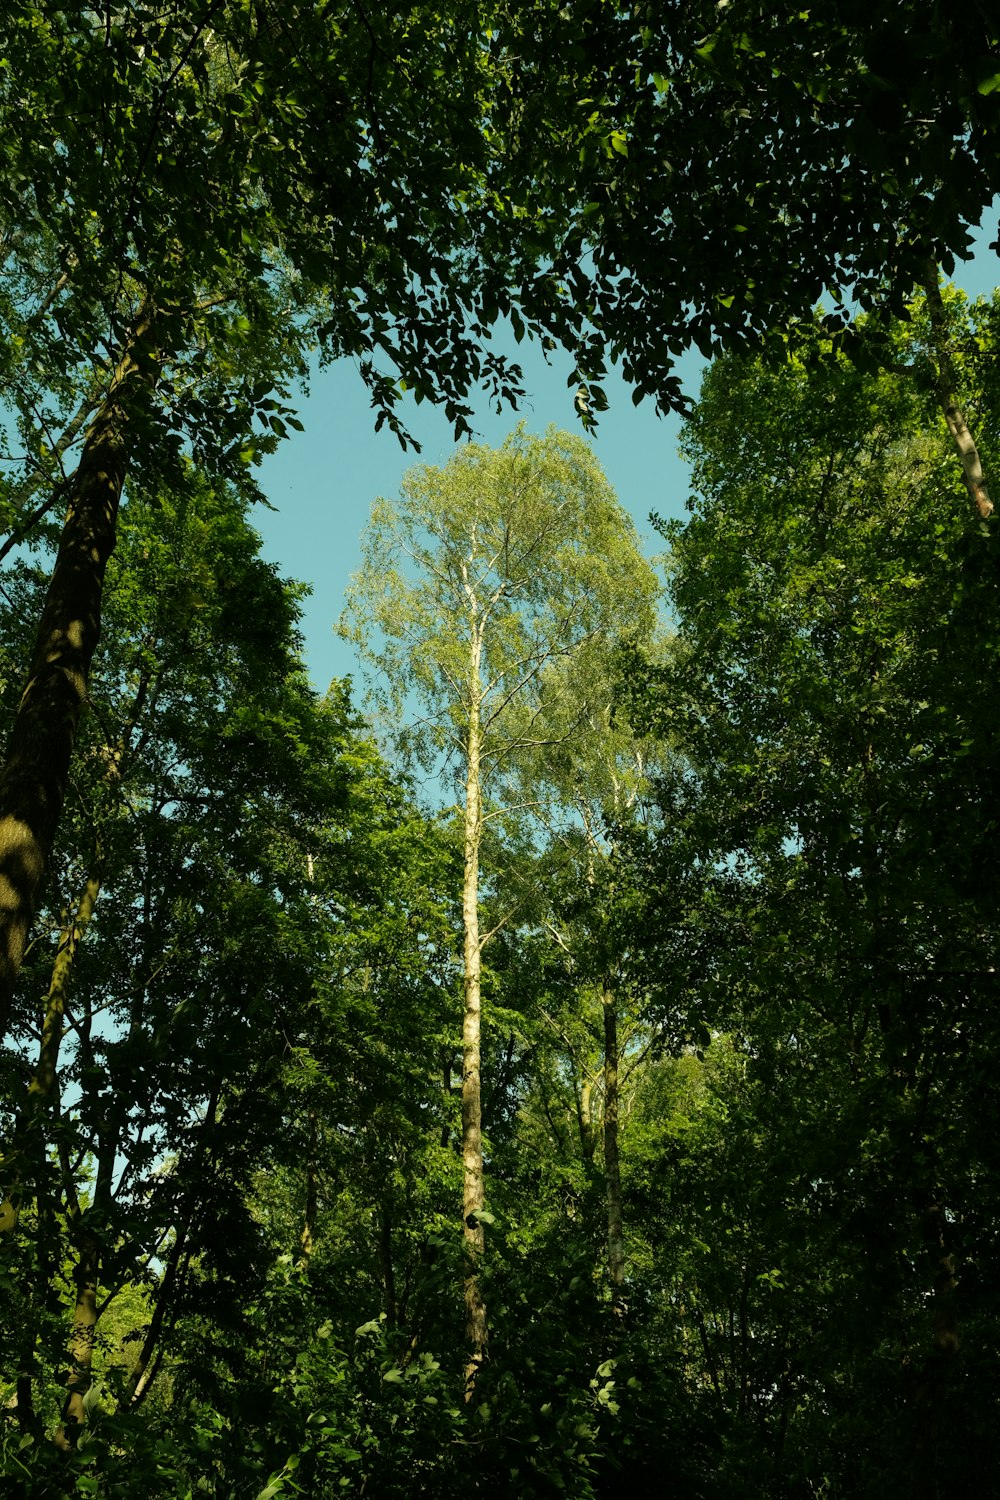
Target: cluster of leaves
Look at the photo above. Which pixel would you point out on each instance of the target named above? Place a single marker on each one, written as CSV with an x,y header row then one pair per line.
x,y
232,1123
739,1027
833,690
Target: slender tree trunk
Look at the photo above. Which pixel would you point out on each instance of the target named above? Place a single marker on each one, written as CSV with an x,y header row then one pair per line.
x,y
446,1090
144,1371
27,1151
89,1222
34,777
585,1118
744,1341
612,1166
24,1403
81,1342
307,1237
25,1167
386,1267
947,393
473,1195
42,1084
710,1364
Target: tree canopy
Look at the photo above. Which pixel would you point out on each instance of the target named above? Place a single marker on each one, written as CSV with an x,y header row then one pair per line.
x,y
589,183
487,585
717,911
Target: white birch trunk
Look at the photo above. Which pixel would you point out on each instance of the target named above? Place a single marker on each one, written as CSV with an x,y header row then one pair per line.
x,y
472,1110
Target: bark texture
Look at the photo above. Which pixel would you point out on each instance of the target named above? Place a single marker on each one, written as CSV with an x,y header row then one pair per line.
x,y
70,938
36,771
473,1195
81,1343
947,383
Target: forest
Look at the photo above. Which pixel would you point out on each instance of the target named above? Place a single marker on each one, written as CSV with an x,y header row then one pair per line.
x,y
562,1062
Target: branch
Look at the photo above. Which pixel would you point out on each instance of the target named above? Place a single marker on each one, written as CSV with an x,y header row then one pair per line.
x,y
536,660
510,807
22,532
947,391
499,926
24,490
558,938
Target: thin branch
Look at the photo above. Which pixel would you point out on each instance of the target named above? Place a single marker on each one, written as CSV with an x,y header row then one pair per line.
x,y
22,532
499,926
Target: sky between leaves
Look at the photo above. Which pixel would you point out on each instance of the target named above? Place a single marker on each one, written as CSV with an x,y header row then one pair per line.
x,y
323,480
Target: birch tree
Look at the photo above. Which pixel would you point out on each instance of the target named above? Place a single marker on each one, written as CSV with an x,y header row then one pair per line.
x,y
587,786
474,583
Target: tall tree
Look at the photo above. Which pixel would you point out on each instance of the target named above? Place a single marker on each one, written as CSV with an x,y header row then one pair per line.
x,y
589,175
835,691
586,787
483,575
204,768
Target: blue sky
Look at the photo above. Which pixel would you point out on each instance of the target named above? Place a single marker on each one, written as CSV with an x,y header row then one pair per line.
x,y
322,481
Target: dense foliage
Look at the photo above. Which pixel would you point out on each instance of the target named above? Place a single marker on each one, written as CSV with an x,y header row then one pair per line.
x,y
697,1196
738,1012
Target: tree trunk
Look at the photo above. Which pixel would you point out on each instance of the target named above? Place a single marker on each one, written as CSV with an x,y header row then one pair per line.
x,y
81,1343
473,1196
612,1168
585,1118
90,1225
307,1237
34,777
446,1058
947,392
25,1167
42,1084
144,1371
27,1155
386,1267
